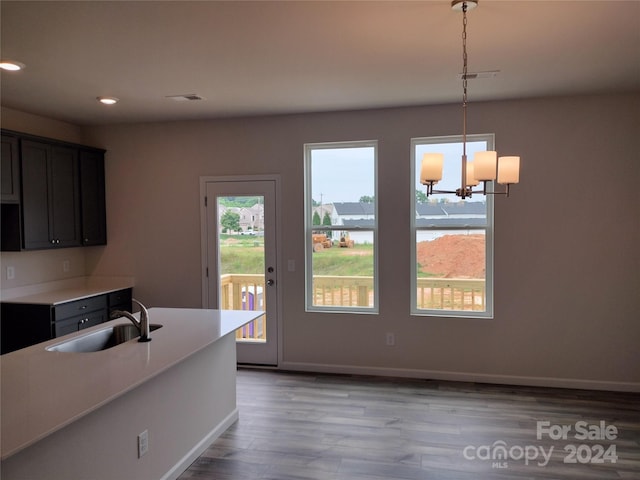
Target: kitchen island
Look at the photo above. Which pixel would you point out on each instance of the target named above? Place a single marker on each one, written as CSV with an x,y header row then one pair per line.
x,y
79,415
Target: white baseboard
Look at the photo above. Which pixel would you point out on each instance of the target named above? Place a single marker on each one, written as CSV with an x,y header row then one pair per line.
x,y
464,376
201,446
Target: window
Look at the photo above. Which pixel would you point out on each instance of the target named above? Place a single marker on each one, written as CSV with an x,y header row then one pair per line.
x,y
341,225
452,247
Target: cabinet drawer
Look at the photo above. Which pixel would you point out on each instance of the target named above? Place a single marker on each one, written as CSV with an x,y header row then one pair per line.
x,y
120,298
80,322
86,305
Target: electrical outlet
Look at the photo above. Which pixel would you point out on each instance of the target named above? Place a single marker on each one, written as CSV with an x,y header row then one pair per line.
x,y
11,273
65,266
143,443
391,339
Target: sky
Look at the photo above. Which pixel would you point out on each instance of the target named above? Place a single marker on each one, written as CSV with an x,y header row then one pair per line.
x,y
342,174
346,174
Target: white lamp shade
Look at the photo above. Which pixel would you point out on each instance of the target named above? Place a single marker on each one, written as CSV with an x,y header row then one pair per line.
x,y
431,170
472,181
485,165
508,170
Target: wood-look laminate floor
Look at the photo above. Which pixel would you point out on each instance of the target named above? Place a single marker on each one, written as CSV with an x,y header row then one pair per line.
x,y
342,427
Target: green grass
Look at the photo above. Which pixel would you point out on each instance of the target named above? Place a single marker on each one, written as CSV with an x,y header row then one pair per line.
x,y
241,240
242,260
423,274
344,262
241,255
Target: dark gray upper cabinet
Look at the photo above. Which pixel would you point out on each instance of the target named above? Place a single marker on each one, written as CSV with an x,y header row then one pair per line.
x,y
64,217
50,196
35,188
92,194
10,175
60,200
11,228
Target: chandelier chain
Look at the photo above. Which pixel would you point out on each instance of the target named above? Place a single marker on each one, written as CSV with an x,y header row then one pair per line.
x,y
464,96
464,71
487,167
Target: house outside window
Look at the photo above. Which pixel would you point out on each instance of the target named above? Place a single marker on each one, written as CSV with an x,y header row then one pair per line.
x,y
341,227
452,239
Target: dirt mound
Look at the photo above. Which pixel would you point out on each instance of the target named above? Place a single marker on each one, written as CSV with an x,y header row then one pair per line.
x,y
453,256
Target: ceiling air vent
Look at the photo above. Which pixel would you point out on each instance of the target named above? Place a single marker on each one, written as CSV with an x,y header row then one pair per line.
x,y
479,75
185,97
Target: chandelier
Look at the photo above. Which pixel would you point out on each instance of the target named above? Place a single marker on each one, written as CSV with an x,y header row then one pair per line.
x,y
486,166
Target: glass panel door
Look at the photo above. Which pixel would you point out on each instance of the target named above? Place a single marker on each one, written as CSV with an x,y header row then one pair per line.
x,y
243,262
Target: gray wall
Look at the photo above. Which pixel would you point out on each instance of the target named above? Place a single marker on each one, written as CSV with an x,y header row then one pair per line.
x,y
566,255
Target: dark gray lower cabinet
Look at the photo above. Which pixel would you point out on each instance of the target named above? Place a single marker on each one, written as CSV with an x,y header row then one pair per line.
x,y
75,316
75,324
120,300
25,324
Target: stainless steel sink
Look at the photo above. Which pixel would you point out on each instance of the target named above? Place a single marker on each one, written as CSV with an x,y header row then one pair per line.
x,y
101,339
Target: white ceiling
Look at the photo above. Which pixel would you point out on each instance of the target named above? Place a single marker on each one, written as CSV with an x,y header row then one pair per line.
x,y
271,57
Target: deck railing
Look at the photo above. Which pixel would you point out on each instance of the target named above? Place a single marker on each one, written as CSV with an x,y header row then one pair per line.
x,y
432,293
247,292
451,294
342,291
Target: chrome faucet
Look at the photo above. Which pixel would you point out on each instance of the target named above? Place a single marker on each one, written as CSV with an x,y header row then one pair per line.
x,y
143,324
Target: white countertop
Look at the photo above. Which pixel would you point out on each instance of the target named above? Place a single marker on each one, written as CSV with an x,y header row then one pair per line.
x,y
53,293
43,391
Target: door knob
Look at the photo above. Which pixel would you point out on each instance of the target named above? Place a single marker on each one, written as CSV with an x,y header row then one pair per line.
x,y
271,282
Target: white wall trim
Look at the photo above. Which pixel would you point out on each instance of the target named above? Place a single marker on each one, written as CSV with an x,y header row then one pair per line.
x,y
201,446
574,383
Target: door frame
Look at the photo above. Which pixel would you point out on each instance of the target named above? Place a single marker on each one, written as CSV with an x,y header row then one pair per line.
x,y
204,261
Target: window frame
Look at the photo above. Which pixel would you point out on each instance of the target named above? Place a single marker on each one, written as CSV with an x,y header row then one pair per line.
x,y
488,230
310,228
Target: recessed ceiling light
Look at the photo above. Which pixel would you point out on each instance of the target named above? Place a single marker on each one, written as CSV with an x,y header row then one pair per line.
x,y
108,100
11,66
